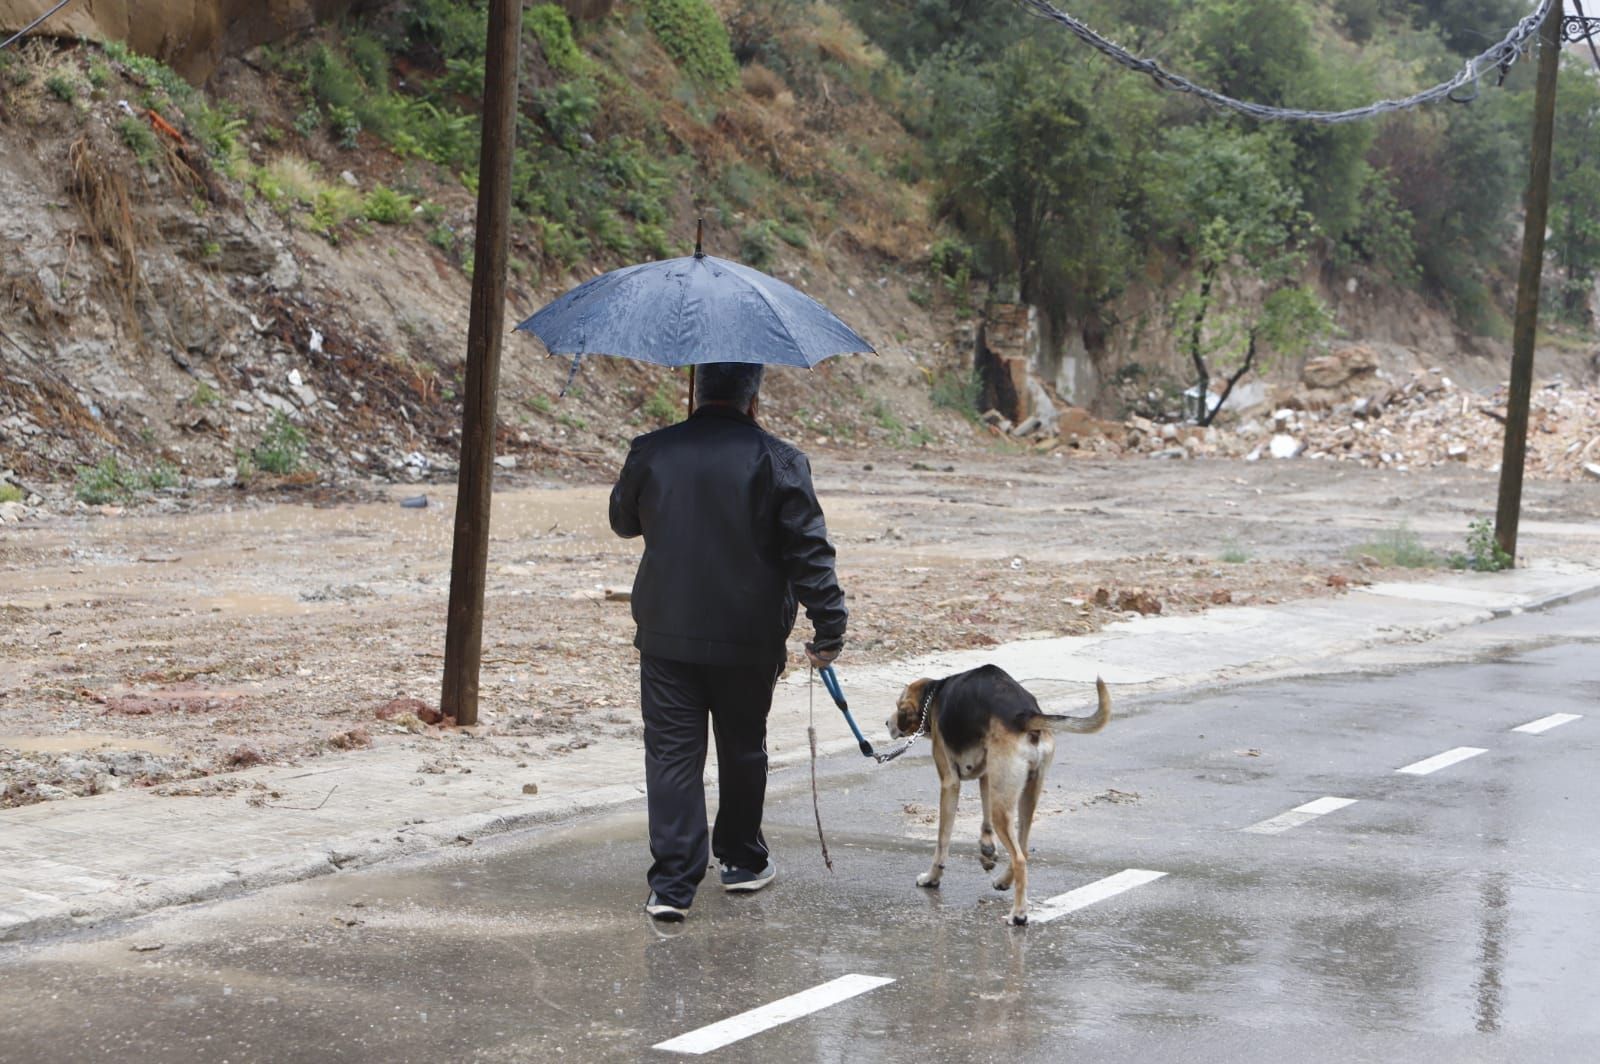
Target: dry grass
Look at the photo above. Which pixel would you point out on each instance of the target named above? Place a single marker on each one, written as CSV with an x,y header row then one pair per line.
x,y
101,194
762,84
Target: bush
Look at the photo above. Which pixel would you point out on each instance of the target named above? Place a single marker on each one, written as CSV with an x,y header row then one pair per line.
x,y
10,492
281,448
756,245
696,39
62,87
140,139
386,206
958,391
662,406
548,24
1484,553
110,481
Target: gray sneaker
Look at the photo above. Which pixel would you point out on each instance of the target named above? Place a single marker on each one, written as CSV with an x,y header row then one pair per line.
x,y
744,881
660,910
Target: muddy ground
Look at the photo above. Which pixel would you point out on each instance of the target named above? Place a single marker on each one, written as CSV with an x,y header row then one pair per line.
x,y
165,649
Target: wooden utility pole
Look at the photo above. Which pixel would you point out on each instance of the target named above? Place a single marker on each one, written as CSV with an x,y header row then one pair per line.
x,y
463,641
1525,327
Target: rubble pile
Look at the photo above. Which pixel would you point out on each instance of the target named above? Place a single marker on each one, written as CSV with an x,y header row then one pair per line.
x,y
1421,422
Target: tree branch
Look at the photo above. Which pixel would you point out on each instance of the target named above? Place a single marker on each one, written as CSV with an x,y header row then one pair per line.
x,y
1207,414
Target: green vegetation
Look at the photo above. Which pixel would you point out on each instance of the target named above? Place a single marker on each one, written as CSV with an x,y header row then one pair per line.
x,y
109,481
693,34
1575,200
1398,548
386,207
1484,553
204,395
140,139
62,86
282,447
548,24
10,492
662,405
958,391
1233,554
1069,178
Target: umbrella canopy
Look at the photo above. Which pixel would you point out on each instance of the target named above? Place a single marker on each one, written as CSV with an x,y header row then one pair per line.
x,y
682,312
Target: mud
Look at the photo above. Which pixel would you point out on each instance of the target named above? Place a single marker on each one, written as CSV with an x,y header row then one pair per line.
x,y
223,637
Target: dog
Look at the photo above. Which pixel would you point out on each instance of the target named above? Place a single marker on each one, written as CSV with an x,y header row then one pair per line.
x,y
984,725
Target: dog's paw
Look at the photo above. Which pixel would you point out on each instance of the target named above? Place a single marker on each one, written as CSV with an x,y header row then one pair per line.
x,y
1017,920
986,856
928,879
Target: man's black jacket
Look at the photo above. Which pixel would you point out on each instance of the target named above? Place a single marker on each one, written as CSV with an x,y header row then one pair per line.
x,y
733,535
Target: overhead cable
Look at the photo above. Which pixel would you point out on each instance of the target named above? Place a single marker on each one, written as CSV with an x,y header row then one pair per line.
x,y
1497,58
30,27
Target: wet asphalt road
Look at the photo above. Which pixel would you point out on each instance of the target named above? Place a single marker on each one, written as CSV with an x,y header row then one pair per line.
x,y
1454,914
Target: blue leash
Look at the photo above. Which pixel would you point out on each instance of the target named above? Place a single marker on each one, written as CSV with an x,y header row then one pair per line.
x,y
830,680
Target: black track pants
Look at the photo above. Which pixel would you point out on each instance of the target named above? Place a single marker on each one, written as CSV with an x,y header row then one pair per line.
x,y
677,698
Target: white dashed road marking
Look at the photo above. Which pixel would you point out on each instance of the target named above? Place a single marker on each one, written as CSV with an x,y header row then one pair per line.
x,y
734,1028
1299,815
1444,760
1099,890
1544,724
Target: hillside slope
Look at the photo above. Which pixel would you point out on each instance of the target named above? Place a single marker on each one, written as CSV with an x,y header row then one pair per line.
x,y
209,285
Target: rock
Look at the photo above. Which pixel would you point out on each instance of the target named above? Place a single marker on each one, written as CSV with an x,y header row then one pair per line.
x,y
505,461
348,178
1456,452
1138,601
619,594
1170,452
1591,470
1028,427
530,788
1338,368
243,756
354,739
1285,446
415,502
1221,597
396,708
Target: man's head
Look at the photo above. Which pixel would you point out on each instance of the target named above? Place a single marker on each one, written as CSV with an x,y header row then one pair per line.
x,y
735,384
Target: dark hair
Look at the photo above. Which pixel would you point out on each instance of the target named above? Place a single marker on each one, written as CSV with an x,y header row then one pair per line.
x,y
727,382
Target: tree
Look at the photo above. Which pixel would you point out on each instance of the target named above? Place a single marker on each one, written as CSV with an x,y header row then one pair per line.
x,y
1575,189
1231,211
1033,155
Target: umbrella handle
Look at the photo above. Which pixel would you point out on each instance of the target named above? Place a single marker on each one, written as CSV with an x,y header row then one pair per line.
x,y
690,411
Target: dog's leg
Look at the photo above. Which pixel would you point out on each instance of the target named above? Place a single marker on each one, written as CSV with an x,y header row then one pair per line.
x,y
1030,794
949,794
986,835
1016,874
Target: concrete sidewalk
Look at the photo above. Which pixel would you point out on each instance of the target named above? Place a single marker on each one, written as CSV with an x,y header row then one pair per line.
x,y
79,862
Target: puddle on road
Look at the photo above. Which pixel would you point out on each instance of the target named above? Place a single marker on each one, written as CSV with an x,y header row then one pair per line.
x,y
80,742
256,605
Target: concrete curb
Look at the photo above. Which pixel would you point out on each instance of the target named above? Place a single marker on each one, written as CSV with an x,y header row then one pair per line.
x,y
1428,611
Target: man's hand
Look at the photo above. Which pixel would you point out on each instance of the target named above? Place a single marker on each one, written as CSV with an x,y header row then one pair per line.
x,y
822,653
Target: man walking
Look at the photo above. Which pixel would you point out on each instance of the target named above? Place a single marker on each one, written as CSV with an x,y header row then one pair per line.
x,y
733,536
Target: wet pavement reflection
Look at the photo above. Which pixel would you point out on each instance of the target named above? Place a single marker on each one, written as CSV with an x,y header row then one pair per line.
x,y
1456,915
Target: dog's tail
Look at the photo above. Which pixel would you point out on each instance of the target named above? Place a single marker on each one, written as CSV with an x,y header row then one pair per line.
x,y
1085,725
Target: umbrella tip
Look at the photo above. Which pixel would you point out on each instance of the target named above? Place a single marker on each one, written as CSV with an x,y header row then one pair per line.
x,y
699,236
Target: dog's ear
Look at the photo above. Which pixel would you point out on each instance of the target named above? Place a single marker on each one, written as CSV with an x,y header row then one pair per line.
x,y
909,707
